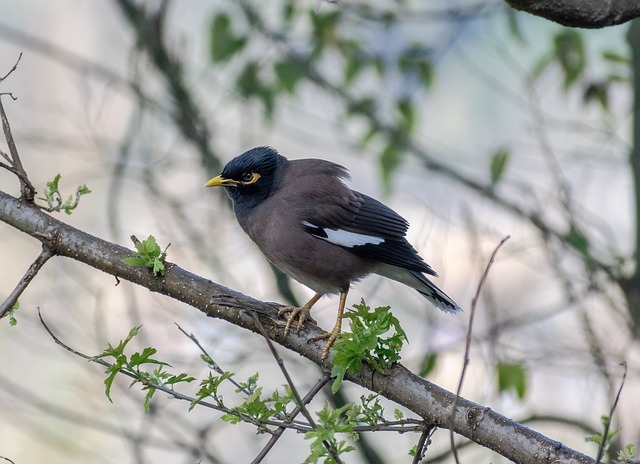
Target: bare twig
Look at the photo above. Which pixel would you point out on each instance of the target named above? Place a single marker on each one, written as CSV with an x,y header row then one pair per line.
x,y
15,66
33,270
7,459
27,190
423,442
210,362
607,424
467,348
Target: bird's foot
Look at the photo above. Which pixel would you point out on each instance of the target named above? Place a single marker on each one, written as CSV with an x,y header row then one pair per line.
x,y
302,314
331,337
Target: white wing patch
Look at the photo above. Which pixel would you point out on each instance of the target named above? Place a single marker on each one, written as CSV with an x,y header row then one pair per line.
x,y
345,238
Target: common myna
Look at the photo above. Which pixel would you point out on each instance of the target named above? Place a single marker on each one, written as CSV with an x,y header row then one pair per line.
x,y
314,228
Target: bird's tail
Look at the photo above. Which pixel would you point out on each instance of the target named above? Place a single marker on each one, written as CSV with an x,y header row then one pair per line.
x,y
424,286
431,292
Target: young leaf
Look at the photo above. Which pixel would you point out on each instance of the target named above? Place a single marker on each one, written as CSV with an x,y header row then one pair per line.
x,y
428,364
148,254
498,165
224,43
512,376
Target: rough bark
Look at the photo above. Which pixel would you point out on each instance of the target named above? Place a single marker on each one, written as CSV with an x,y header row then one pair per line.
x,y
589,14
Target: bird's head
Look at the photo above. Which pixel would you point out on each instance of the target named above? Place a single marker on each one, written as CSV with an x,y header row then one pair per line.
x,y
251,177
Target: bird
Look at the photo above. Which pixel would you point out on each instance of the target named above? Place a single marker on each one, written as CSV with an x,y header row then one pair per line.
x,y
310,225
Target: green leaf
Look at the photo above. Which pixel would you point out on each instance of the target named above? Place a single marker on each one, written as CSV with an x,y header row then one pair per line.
x,y
614,56
628,453
375,338
571,55
514,24
353,67
224,43
330,423
138,359
578,240
11,314
428,364
53,197
512,377
289,73
390,159
148,254
498,165
407,114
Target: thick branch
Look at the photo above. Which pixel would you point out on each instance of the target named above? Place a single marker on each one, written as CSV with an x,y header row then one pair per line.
x,y
434,404
590,14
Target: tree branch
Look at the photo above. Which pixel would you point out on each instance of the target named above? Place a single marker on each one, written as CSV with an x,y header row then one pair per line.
x,y
33,270
431,402
590,14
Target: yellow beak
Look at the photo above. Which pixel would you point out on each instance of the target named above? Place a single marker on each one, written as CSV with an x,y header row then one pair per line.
x,y
220,181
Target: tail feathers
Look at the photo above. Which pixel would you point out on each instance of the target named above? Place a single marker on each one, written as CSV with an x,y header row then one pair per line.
x,y
431,292
424,286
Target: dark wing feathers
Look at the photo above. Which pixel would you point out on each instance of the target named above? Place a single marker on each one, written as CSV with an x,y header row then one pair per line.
x,y
323,201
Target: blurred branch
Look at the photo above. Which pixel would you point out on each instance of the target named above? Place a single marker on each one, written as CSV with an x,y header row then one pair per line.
x,y
149,30
631,284
429,401
591,14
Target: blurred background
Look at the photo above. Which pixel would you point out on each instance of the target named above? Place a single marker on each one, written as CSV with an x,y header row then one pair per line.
x,y
474,122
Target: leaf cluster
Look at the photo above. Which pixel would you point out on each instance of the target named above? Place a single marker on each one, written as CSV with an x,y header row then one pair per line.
x,y
376,338
330,423
333,42
137,365
148,254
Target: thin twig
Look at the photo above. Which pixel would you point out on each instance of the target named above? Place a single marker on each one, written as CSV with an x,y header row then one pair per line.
x,y
7,459
613,408
33,270
297,426
423,442
15,66
27,190
214,365
305,412
467,347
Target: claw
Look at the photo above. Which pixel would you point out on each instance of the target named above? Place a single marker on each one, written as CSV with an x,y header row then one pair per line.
x,y
302,314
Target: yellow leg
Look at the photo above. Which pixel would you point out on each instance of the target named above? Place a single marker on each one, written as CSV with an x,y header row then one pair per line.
x,y
333,335
302,313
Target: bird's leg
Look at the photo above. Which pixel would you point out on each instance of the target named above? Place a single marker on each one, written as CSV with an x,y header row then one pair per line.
x,y
333,335
302,313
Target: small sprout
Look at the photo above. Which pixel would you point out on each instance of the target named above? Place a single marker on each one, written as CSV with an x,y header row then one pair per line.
x,y
11,314
148,254
53,197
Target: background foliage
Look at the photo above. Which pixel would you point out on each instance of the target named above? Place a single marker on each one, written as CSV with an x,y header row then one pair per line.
x,y
471,120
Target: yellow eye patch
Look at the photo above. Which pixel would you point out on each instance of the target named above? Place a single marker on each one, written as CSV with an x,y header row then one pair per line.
x,y
250,178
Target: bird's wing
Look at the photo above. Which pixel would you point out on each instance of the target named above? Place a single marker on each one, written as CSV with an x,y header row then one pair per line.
x,y
330,211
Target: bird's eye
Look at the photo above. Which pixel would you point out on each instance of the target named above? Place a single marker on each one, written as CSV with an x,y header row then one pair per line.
x,y
247,177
